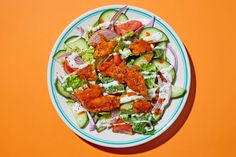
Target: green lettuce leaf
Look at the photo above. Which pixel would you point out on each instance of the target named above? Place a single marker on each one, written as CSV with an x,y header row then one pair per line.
x,y
114,89
87,55
160,53
71,83
130,63
148,67
141,123
105,79
150,83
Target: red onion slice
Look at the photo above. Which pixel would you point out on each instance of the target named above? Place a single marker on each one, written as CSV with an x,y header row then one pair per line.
x,y
80,31
150,24
136,32
175,57
96,38
78,60
115,17
92,125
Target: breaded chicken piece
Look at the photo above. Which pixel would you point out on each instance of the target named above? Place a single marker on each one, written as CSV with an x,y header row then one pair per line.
x,y
124,74
87,73
139,47
104,47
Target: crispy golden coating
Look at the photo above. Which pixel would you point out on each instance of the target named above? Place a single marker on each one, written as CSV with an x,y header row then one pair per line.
x,y
88,94
142,106
103,103
93,101
104,47
139,47
124,74
87,73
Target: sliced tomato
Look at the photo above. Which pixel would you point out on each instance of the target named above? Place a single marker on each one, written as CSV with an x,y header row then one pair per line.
x,y
117,59
127,27
120,127
67,67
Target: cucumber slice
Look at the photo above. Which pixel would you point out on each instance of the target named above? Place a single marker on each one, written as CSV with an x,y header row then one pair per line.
x,y
177,92
143,59
126,106
61,90
108,14
152,31
101,119
160,50
161,64
81,119
76,43
59,53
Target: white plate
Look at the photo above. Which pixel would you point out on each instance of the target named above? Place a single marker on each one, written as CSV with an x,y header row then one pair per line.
x,y
107,138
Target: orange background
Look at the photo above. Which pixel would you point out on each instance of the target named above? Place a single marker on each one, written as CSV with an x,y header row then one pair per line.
x,y
30,125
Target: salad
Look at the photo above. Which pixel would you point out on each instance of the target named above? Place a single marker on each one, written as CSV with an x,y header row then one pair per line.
x,y
116,74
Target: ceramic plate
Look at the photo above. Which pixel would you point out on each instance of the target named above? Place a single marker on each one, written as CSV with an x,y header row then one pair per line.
x,y
107,138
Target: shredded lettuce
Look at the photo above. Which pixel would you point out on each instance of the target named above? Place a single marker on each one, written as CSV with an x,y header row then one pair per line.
x,y
120,40
120,45
150,83
87,55
141,123
124,37
130,63
160,53
148,67
111,89
144,128
127,35
71,83
114,89
105,79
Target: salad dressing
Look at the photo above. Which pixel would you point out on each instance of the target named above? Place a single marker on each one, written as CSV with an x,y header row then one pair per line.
x,y
127,42
166,74
127,98
125,53
77,107
102,25
153,37
114,83
150,76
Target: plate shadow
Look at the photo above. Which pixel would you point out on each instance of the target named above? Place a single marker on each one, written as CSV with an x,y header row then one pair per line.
x,y
169,133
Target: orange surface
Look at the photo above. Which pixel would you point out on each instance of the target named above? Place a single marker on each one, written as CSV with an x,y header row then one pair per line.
x,y
30,125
